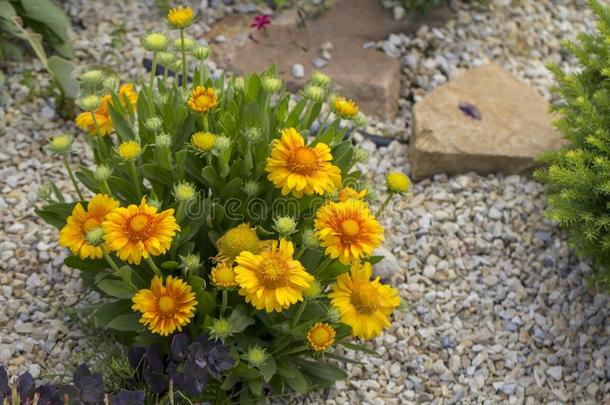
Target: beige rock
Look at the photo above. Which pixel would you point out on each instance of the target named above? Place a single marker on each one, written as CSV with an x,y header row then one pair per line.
x,y
368,76
514,126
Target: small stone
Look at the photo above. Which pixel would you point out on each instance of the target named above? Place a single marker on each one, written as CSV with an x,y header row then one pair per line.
x,y
298,71
556,372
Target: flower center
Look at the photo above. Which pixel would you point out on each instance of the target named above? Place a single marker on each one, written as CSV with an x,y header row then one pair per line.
x,y
90,223
166,305
350,227
202,100
225,276
320,336
273,271
304,161
139,226
237,240
365,298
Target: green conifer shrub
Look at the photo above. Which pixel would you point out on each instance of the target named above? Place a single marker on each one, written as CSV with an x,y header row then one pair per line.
x,y
577,177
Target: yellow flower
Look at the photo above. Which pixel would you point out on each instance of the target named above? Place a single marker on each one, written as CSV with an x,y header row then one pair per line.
x,y
128,93
129,150
236,240
223,275
203,99
138,232
321,336
343,107
272,280
347,192
297,168
363,304
203,141
85,121
73,235
180,17
165,308
398,182
347,230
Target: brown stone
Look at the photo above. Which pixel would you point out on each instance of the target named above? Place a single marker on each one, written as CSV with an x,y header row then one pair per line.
x,y
514,126
368,76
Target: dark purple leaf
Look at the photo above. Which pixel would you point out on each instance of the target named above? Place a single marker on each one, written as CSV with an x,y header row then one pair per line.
x,y
65,390
135,356
79,373
92,389
46,392
25,385
470,110
180,343
155,358
125,397
4,388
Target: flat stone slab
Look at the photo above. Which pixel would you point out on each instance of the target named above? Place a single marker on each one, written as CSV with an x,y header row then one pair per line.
x,y
484,121
368,76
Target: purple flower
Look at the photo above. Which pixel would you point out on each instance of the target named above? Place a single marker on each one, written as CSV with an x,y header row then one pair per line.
x,y
260,22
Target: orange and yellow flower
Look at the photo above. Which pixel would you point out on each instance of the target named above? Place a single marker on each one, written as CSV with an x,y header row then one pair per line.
x,y
165,308
223,275
347,230
128,94
344,107
203,99
347,192
363,304
272,280
300,169
138,232
74,234
85,120
321,336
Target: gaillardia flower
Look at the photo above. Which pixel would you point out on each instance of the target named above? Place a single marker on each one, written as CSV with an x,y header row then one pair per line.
x,y
236,240
300,169
74,234
203,99
165,308
223,275
85,120
363,304
347,230
128,94
321,336
180,17
138,232
398,182
347,193
203,141
343,107
129,150
272,280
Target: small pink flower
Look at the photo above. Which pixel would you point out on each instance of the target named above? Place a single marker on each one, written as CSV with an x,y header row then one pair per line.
x,y
260,22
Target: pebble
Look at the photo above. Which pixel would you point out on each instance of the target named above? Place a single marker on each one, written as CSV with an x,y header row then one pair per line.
x,y
298,71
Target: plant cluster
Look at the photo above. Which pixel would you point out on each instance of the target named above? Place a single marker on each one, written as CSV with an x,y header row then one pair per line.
x,y
235,244
87,389
577,177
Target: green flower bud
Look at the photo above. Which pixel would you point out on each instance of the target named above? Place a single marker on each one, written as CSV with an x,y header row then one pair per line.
x,y
191,261
333,315
360,120
253,134
222,143
92,77
184,191
155,41
251,188
154,123
201,52
61,143
45,191
310,240
238,83
320,79
95,236
111,83
285,225
163,140
189,43
314,93
314,290
102,172
155,203
272,84
166,58
361,155
221,329
256,356
90,103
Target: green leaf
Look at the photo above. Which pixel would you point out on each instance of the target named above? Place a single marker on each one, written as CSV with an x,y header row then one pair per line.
x,y
53,17
122,127
127,323
321,370
124,188
333,270
108,312
239,319
56,214
256,386
76,262
62,70
116,288
154,172
298,382
268,368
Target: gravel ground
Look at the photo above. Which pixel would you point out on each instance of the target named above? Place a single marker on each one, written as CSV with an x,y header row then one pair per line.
x,y
497,308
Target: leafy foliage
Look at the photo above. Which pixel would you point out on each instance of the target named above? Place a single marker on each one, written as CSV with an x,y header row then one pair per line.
x,y
578,176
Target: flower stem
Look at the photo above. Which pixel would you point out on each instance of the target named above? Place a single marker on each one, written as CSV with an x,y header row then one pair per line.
x,y
153,72
67,164
385,203
136,178
223,305
153,266
109,259
183,59
299,312
98,135
106,188
180,212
